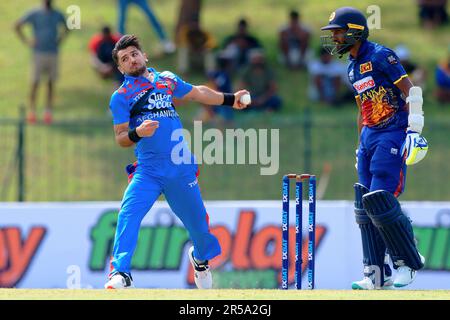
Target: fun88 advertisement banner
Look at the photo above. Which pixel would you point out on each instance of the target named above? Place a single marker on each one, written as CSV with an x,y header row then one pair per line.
x,y
68,245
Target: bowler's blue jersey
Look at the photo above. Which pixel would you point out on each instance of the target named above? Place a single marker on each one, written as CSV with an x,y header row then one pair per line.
x,y
374,74
138,99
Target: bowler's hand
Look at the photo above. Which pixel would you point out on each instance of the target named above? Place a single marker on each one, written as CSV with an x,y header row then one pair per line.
x,y
147,128
237,100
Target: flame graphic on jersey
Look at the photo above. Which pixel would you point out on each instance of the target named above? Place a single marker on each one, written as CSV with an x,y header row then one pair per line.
x,y
376,107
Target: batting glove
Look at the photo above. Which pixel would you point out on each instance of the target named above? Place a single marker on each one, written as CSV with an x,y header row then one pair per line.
x,y
415,147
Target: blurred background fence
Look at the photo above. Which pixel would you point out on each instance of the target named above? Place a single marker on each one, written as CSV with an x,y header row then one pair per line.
x,y
78,160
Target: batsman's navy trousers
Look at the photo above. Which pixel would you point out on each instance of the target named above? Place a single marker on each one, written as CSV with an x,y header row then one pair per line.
x,y
381,165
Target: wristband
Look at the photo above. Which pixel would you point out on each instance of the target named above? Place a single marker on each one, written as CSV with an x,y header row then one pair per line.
x,y
133,136
228,99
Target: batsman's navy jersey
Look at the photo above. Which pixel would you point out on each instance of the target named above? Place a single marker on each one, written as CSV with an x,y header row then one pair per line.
x,y
138,99
374,74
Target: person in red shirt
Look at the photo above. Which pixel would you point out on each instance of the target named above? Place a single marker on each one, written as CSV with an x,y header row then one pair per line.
x,y
100,47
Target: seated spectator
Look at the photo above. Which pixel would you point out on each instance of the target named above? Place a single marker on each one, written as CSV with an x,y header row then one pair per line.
x,y
328,80
240,44
100,47
259,79
195,48
294,40
219,79
443,80
432,13
415,73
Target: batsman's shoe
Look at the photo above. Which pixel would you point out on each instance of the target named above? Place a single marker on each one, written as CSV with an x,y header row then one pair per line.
x,y
202,274
406,275
367,284
364,284
120,280
388,283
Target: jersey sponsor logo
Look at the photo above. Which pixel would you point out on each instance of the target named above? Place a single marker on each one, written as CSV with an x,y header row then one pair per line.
x,y
364,84
365,67
159,101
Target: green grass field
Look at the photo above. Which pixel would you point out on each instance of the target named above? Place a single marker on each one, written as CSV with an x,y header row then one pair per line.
x,y
75,160
177,294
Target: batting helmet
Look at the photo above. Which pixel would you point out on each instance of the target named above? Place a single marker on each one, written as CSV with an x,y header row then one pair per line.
x,y
351,20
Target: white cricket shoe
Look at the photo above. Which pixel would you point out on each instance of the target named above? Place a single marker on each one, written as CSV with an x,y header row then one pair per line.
x,y
388,284
202,275
367,284
364,284
406,275
119,280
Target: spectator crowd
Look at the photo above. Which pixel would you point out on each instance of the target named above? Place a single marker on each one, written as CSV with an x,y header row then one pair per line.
x,y
240,60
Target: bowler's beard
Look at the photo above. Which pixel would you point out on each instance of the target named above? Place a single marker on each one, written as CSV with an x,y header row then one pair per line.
x,y
138,72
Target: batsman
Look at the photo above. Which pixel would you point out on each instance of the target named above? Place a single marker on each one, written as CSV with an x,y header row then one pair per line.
x,y
390,123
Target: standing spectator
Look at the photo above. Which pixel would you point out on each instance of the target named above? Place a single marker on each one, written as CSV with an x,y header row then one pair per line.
x,y
167,45
101,46
443,80
327,79
47,36
240,44
294,41
195,48
432,13
260,81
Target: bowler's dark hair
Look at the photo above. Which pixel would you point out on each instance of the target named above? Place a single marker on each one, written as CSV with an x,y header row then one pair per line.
x,y
128,40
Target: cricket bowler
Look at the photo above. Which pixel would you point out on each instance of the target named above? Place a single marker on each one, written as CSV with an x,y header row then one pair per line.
x,y
144,116
390,121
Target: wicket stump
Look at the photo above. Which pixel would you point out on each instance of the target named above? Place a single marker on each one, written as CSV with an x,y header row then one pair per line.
x,y
299,178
